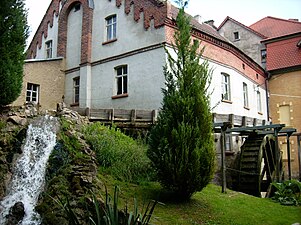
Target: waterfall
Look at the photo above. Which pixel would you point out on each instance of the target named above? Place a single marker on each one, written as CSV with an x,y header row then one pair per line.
x,y
29,172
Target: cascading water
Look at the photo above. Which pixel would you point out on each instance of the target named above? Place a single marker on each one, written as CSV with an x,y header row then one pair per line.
x,y
29,173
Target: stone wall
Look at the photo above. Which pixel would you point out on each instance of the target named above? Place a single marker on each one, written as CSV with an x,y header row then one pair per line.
x,y
49,75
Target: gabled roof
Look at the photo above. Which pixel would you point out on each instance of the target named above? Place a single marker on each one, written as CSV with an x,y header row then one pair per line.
x,y
228,18
275,27
203,27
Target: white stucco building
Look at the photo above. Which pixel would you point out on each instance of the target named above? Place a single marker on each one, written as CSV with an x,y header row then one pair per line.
x,y
114,56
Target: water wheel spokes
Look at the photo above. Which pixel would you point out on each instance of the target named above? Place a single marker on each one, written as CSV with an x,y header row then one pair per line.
x,y
257,164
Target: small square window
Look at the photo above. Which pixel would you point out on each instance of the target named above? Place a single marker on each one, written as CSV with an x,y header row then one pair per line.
x,y
32,93
264,56
236,36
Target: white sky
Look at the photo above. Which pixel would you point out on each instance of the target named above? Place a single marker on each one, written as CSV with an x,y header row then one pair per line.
x,y
244,11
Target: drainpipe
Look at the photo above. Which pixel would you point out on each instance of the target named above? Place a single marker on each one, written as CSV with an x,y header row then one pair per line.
x,y
267,94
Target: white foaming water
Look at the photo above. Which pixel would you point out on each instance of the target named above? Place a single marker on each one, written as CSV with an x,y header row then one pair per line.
x,y
29,172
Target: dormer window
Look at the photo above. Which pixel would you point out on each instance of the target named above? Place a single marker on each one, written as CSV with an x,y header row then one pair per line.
x,y
236,36
263,56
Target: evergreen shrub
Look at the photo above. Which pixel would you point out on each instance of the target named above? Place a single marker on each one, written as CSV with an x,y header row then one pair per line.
x,y
181,145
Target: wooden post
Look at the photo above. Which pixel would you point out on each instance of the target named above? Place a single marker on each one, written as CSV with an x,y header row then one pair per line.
x,y
288,155
277,155
133,115
299,154
223,154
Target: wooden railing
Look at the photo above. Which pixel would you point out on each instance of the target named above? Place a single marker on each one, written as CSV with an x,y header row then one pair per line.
x,y
137,116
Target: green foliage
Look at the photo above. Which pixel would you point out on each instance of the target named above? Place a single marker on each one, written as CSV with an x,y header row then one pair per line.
x,y
13,34
119,154
181,145
288,192
108,213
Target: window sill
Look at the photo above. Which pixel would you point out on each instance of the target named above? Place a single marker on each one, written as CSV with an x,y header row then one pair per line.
x,y
260,113
120,96
109,41
236,40
74,104
247,108
227,101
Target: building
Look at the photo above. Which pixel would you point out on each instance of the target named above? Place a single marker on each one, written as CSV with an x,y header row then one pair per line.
x,y
276,42
114,56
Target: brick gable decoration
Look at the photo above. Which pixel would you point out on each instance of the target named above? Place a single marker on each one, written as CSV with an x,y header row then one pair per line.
x,y
53,10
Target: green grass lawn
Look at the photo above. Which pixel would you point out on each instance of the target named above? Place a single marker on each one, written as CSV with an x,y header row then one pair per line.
x,y
208,207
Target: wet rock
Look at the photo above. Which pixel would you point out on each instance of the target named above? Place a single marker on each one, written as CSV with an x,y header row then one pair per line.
x,y
16,214
17,120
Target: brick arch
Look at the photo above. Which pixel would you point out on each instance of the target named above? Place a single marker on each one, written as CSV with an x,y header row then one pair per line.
x,y
87,20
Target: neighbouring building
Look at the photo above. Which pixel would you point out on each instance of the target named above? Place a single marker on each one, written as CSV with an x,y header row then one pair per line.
x,y
43,83
277,44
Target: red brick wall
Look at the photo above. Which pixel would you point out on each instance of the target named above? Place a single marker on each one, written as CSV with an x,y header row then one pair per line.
x,y
86,30
52,11
224,53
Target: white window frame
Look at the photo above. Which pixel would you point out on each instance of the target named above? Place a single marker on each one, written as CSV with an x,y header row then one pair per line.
x,y
236,36
121,80
76,90
246,95
259,106
48,48
111,27
226,90
32,93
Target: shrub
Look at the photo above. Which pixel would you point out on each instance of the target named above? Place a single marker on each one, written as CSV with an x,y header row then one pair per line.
x,y
181,144
288,192
119,154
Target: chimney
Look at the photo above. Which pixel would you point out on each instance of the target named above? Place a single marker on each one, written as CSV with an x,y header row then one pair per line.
x,y
211,24
198,18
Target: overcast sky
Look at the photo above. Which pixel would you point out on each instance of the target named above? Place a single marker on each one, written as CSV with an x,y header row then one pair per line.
x,y
244,11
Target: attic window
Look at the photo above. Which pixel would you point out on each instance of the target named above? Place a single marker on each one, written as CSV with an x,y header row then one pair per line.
x,y
236,36
76,7
264,56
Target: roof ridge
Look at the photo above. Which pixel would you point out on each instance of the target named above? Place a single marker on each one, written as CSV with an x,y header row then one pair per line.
x,y
286,20
241,24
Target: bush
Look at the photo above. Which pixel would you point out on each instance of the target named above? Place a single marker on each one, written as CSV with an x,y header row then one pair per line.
x,y
288,192
181,143
119,154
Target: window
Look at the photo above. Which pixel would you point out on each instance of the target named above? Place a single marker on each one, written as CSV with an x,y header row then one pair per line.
x,y
264,56
245,93
236,36
121,80
76,7
76,89
48,46
32,93
228,144
284,115
259,109
111,24
226,87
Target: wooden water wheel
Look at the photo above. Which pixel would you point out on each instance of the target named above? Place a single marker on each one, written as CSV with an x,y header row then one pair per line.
x,y
258,164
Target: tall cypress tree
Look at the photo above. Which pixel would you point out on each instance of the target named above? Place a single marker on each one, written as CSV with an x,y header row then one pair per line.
x,y
13,35
181,145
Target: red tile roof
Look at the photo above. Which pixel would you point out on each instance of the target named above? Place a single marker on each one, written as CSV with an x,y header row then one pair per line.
x,y
275,27
283,53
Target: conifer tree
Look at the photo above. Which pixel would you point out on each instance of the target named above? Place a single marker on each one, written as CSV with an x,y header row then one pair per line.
x,y
181,145
13,34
